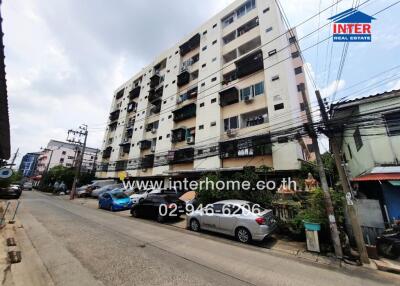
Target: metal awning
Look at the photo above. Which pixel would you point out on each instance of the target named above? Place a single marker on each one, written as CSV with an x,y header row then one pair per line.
x,y
377,177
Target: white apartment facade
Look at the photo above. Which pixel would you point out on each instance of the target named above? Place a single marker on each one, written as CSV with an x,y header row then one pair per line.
x,y
213,101
58,153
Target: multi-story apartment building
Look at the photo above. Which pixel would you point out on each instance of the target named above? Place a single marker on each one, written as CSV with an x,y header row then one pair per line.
x,y
28,164
59,153
213,101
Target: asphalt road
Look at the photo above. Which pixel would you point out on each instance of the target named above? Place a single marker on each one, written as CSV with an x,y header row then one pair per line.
x,y
83,246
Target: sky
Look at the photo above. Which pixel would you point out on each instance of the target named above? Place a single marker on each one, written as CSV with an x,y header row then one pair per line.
x,y
65,58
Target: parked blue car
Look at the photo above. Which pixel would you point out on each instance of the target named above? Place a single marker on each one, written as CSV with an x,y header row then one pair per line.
x,y
115,200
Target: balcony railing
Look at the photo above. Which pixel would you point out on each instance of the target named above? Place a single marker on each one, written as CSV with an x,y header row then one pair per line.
x,y
249,64
228,96
120,94
154,80
121,165
183,78
134,93
181,156
185,112
147,161
114,115
251,146
191,44
156,94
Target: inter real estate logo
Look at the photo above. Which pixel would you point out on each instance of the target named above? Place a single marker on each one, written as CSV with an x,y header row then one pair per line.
x,y
352,26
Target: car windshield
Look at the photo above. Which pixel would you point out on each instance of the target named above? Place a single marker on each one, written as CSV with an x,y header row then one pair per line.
x,y
119,195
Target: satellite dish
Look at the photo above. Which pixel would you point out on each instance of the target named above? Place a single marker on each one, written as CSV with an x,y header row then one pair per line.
x,y
5,173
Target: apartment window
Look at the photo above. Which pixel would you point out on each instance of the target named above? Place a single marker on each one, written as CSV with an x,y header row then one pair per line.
x,y
266,10
279,106
201,127
392,123
63,152
275,77
213,79
268,30
203,84
231,123
302,106
214,42
160,138
205,32
295,54
214,26
357,139
292,40
271,53
298,70
299,86
70,157
194,75
202,104
168,135
247,7
252,91
213,123
214,59
169,116
199,152
204,48
203,65
62,160
174,81
176,52
214,100
228,20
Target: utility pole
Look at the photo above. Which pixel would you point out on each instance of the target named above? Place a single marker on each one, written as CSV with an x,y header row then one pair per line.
x,y
83,131
351,210
324,183
14,158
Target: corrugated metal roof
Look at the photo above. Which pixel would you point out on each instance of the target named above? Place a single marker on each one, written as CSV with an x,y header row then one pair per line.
x,y
339,104
377,177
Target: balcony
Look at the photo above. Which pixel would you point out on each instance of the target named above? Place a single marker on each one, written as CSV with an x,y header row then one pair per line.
x,y
144,144
228,96
152,127
156,94
126,148
134,93
114,115
147,161
183,78
155,80
120,94
156,107
107,153
121,165
130,124
254,118
190,45
125,141
188,111
192,93
249,64
112,126
131,106
181,156
259,145
178,135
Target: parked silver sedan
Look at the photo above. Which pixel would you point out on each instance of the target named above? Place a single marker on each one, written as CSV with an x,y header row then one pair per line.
x,y
244,220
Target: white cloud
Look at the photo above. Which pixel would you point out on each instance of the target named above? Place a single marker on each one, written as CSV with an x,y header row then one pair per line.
x,y
329,90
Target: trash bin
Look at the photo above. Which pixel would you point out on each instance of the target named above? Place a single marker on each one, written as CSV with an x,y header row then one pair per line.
x,y
312,230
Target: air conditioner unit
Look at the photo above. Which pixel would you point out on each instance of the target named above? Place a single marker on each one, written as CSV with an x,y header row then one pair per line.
x,y
154,131
190,140
248,99
231,133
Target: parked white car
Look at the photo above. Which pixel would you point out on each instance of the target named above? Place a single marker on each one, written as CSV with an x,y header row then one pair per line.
x,y
244,220
142,194
28,186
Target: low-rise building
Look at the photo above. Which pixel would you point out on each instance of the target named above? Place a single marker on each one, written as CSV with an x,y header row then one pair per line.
x,y
58,153
368,131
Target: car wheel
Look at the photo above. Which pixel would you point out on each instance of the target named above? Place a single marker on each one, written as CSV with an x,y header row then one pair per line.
x,y
243,235
160,218
111,208
134,213
194,225
386,250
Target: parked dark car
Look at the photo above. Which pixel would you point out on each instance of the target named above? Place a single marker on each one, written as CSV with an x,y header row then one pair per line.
x,y
159,207
10,193
388,243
